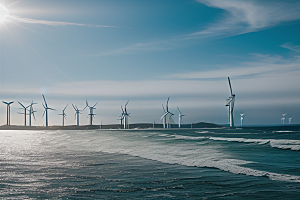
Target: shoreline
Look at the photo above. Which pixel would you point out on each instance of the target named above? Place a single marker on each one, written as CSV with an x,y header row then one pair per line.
x,y
138,126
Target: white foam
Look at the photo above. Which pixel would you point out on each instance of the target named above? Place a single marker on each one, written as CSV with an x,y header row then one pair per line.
x,y
193,154
275,143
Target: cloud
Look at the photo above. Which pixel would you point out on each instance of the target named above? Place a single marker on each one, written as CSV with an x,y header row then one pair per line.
x,y
138,48
291,47
248,16
267,66
55,23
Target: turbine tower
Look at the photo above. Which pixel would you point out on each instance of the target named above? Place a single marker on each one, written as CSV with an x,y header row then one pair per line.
x,y
126,115
283,118
46,110
77,113
242,118
8,111
92,115
180,118
230,103
31,112
25,109
64,115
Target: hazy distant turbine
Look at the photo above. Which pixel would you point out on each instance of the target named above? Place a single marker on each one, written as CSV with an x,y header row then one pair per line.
x,y
230,103
242,118
180,117
290,120
283,118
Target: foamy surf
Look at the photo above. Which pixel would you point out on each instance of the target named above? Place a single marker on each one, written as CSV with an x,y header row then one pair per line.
x,y
195,154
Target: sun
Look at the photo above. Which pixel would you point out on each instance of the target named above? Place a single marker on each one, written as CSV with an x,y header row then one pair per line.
x,y
4,13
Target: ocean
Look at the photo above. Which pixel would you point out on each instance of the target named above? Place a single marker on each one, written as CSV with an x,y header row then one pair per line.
x,y
248,163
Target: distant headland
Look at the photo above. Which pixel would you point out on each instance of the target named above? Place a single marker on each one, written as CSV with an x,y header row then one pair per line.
x,y
110,126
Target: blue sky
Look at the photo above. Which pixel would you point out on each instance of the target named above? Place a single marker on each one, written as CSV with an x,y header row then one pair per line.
x,y
111,51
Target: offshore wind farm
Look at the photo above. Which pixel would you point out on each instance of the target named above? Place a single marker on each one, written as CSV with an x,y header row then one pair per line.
x,y
187,99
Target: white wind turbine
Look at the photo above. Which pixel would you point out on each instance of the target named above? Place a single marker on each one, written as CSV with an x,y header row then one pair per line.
x,y
121,116
165,115
25,109
242,118
77,113
290,120
92,115
126,115
230,103
31,112
283,118
8,111
180,118
46,110
64,115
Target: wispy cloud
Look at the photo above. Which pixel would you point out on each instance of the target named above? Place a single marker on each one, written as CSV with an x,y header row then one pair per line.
x,y
55,23
248,16
292,47
266,66
137,48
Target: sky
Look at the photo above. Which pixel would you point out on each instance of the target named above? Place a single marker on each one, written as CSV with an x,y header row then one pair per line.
x,y
112,51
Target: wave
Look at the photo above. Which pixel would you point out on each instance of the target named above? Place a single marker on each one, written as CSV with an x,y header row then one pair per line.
x,y
275,143
179,153
293,145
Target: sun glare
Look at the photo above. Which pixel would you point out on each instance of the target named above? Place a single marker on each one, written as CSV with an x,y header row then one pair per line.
x,y
3,13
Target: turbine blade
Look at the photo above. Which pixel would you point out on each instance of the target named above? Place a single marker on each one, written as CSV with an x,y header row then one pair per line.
x,y
163,107
21,105
43,113
230,86
45,100
65,107
167,105
163,116
95,105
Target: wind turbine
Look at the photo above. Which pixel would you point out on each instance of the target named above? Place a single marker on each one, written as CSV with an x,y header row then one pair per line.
x,y
8,111
242,118
25,108
164,116
121,116
64,115
283,118
31,112
126,115
170,120
92,115
290,120
46,110
166,113
180,118
230,103
77,113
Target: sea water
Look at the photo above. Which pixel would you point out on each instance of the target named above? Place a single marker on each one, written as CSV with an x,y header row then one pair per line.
x,y
250,163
